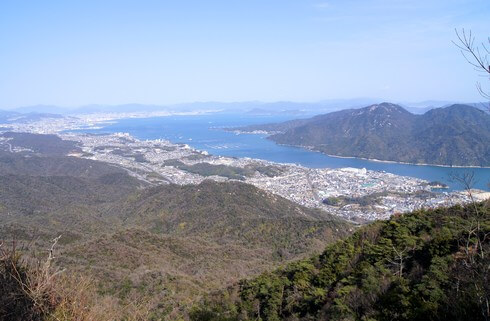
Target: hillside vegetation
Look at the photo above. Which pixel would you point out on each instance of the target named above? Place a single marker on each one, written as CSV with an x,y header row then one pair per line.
x,y
52,195
426,265
455,135
164,246
41,144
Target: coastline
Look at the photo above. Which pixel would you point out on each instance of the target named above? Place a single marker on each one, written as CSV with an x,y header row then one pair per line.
x,y
437,173
317,162
395,162
313,149
397,168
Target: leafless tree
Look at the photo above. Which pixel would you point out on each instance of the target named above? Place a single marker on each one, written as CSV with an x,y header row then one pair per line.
x,y
476,55
476,235
399,259
474,245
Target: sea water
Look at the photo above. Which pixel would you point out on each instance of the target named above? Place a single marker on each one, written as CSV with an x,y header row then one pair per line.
x,y
206,132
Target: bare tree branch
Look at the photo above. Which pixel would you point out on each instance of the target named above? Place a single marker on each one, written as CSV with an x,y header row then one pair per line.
x,y
476,55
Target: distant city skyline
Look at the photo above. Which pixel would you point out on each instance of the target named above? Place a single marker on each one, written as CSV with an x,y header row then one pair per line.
x,y
75,53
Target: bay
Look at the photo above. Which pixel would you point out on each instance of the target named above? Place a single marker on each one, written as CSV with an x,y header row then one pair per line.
x,y
206,132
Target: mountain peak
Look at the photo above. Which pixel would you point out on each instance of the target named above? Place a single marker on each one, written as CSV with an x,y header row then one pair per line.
x,y
385,107
461,108
382,110
455,135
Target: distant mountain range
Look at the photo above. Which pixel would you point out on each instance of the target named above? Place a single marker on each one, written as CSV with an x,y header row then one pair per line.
x,y
458,135
251,107
8,116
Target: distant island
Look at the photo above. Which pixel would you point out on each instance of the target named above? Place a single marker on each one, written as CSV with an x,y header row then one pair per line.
x,y
457,135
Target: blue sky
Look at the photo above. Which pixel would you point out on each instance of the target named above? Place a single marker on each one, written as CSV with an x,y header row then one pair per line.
x,y
72,53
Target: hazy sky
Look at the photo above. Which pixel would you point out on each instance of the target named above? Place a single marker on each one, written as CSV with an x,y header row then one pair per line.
x,y
159,52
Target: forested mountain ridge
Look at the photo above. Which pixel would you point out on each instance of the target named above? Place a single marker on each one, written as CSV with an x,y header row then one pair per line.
x,y
167,246
164,246
457,135
425,265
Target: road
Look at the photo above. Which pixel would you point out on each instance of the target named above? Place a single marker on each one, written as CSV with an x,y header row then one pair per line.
x,y
313,190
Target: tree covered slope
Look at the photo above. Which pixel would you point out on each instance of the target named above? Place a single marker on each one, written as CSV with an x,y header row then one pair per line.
x,y
455,135
164,246
427,265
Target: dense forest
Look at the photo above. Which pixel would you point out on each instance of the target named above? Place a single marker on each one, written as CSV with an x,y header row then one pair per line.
x,y
426,265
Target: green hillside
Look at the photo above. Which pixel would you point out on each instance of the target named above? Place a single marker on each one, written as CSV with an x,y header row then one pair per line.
x,y
164,245
426,265
455,135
